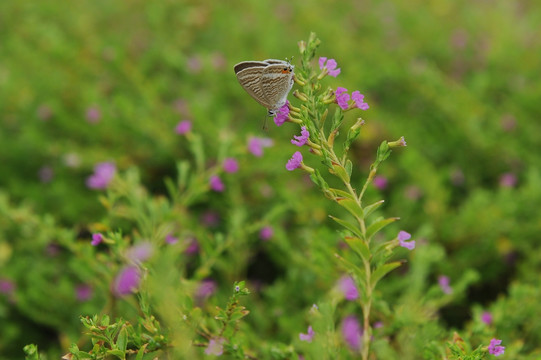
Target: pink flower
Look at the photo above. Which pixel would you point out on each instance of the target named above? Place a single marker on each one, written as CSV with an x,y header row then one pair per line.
x,y
127,281
183,127
103,174
6,286
348,288
444,282
342,98
93,114
494,348
171,239
486,317
352,333
307,337
83,293
302,139
97,238
231,165
206,289
295,161
402,237
508,180
193,246
266,233
380,182
216,183
359,100
257,144
140,252
215,347
282,115
330,65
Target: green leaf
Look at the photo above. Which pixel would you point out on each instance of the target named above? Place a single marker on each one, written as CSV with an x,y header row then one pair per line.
x,y
382,271
372,207
378,225
122,340
359,246
342,193
339,171
118,353
349,167
351,227
318,180
351,205
383,152
141,352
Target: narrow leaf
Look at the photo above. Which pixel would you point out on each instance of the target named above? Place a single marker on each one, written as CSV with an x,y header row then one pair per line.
x,y
382,271
341,193
357,271
352,206
372,207
351,227
122,340
378,225
141,352
359,246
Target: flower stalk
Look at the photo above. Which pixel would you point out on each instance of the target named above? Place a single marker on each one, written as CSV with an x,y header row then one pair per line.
x,y
320,133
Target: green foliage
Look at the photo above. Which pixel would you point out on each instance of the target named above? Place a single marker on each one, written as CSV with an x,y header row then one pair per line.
x,y
462,91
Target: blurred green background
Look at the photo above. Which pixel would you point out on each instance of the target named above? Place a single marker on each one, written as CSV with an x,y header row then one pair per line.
x,y
84,82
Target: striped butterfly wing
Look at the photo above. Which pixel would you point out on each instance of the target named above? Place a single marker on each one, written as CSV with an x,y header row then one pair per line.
x,y
276,82
249,76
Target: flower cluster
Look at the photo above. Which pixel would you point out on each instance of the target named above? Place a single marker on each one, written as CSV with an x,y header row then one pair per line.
x,y
343,99
102,176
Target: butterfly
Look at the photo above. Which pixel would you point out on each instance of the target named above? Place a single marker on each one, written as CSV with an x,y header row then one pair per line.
x,y
268,81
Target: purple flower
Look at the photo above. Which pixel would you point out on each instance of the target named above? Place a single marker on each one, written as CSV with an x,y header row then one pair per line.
x,y
97,238
352,332
508,180
359,100
307,337
193,246
266,233
330,65
6,286
45,174
342,98
140,252
402,237
257,144
486,317
103,174
183,127
216,183
205,289
215,347
302,139
494,348
380,182
93,114
194,64
444,282
210,218
127,281
171,239
231,165
348,288
295,161
83,292
282,115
